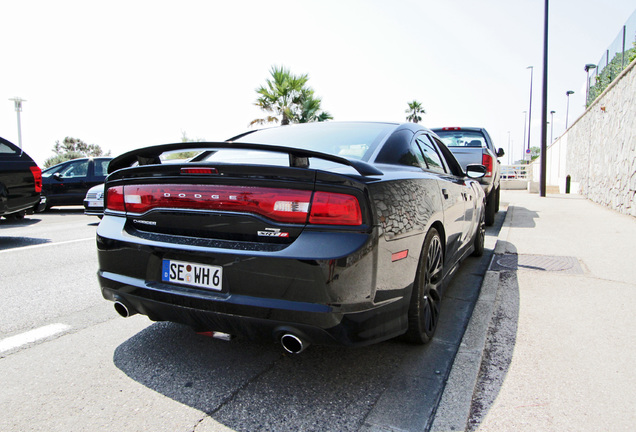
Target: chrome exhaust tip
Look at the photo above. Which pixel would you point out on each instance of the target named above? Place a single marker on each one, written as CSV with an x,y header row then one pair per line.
x,y
293,344
124,310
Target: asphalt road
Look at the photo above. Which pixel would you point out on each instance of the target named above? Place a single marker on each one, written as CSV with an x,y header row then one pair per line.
x,y
68,362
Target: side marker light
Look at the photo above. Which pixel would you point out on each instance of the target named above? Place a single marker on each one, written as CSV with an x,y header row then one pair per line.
x,y
399,255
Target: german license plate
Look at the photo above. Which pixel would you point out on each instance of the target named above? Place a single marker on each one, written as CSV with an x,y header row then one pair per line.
x,y
192,274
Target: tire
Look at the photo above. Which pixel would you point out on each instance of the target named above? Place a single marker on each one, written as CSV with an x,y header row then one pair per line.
x,y
497,198
16,216
479,239
47,206
491,207
425,303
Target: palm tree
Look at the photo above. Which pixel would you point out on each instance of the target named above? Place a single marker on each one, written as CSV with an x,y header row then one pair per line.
x,y
415,108
310,110
279,95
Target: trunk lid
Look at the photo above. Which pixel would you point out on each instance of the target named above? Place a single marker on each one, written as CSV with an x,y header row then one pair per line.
x,y
226,203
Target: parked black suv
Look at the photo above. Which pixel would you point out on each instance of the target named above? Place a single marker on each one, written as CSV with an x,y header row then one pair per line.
x,y
20,182
67,183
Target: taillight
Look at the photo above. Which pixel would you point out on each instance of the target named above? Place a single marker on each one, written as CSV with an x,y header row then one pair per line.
x,y
115,199
335,209
37,177
486,160
452,128
281,205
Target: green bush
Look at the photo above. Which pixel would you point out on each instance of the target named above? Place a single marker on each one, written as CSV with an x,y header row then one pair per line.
x,y
609,73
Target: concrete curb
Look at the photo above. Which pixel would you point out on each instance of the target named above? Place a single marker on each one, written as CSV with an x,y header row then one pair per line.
x,y
454,408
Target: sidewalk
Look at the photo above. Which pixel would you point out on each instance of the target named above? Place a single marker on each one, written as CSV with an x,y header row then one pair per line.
x,y
554,326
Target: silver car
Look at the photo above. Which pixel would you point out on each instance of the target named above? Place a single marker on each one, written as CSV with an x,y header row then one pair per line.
x,y
94,201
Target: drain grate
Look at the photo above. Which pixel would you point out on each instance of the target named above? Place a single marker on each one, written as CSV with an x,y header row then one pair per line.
x,y
508,262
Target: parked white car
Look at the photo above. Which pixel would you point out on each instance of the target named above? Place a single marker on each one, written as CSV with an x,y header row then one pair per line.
x,y
94,201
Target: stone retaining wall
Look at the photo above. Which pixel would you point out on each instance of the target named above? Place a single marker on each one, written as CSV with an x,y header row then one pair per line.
x,y
600,148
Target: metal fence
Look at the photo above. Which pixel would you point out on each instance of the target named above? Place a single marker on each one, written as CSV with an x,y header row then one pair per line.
x,y
515,172
615,58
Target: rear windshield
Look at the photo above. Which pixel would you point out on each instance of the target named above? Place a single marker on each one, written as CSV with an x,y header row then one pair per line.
x,y
6,148
349,140
453,138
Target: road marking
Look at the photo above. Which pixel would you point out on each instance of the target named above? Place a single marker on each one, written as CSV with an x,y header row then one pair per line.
x,y
31,336
46,245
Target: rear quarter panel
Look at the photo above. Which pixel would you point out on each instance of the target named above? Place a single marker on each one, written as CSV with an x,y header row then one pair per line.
x,y
406,205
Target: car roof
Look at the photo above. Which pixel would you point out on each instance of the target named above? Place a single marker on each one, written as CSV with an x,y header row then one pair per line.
x,y
79,159
452,128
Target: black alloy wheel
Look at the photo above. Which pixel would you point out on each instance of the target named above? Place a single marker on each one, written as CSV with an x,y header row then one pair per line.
x,y
425,303
491,207
479,239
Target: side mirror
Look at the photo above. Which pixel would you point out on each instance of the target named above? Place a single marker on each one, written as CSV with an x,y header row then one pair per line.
x,y
476,171
57,176
500,153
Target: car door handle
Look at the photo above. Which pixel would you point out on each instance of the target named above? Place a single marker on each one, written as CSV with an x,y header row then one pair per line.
x,y
445,193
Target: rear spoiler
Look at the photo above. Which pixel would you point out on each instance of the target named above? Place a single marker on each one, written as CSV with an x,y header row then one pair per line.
x,y
298,158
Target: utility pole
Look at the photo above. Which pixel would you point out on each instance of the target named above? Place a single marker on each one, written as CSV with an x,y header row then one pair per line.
x,y
525,130
18,109
530,110
544,111
509,159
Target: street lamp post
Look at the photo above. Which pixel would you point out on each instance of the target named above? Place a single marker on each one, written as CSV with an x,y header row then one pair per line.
x,y
525,129
509,159
567,111
530,108
544,109
18,109
552,126
588,67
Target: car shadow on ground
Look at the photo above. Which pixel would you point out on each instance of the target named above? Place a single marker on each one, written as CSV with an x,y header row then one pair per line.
x,y
525,218
7,243
12,242
27,221
249,385
500,344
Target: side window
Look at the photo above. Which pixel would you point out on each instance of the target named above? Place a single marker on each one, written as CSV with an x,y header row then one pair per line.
x,y
6,149
432,158
417,151
451,164
101,168
398,150
54,169
75,169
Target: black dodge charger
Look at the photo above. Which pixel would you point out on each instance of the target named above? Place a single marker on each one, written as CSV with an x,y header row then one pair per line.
x,y
326,233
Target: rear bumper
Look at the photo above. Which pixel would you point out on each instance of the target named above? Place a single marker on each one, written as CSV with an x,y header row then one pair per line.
x,y
40,206
321,288
92,211
322,327
33,204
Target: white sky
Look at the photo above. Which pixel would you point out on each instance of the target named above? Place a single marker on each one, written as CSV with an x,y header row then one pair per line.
x,y
127,74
